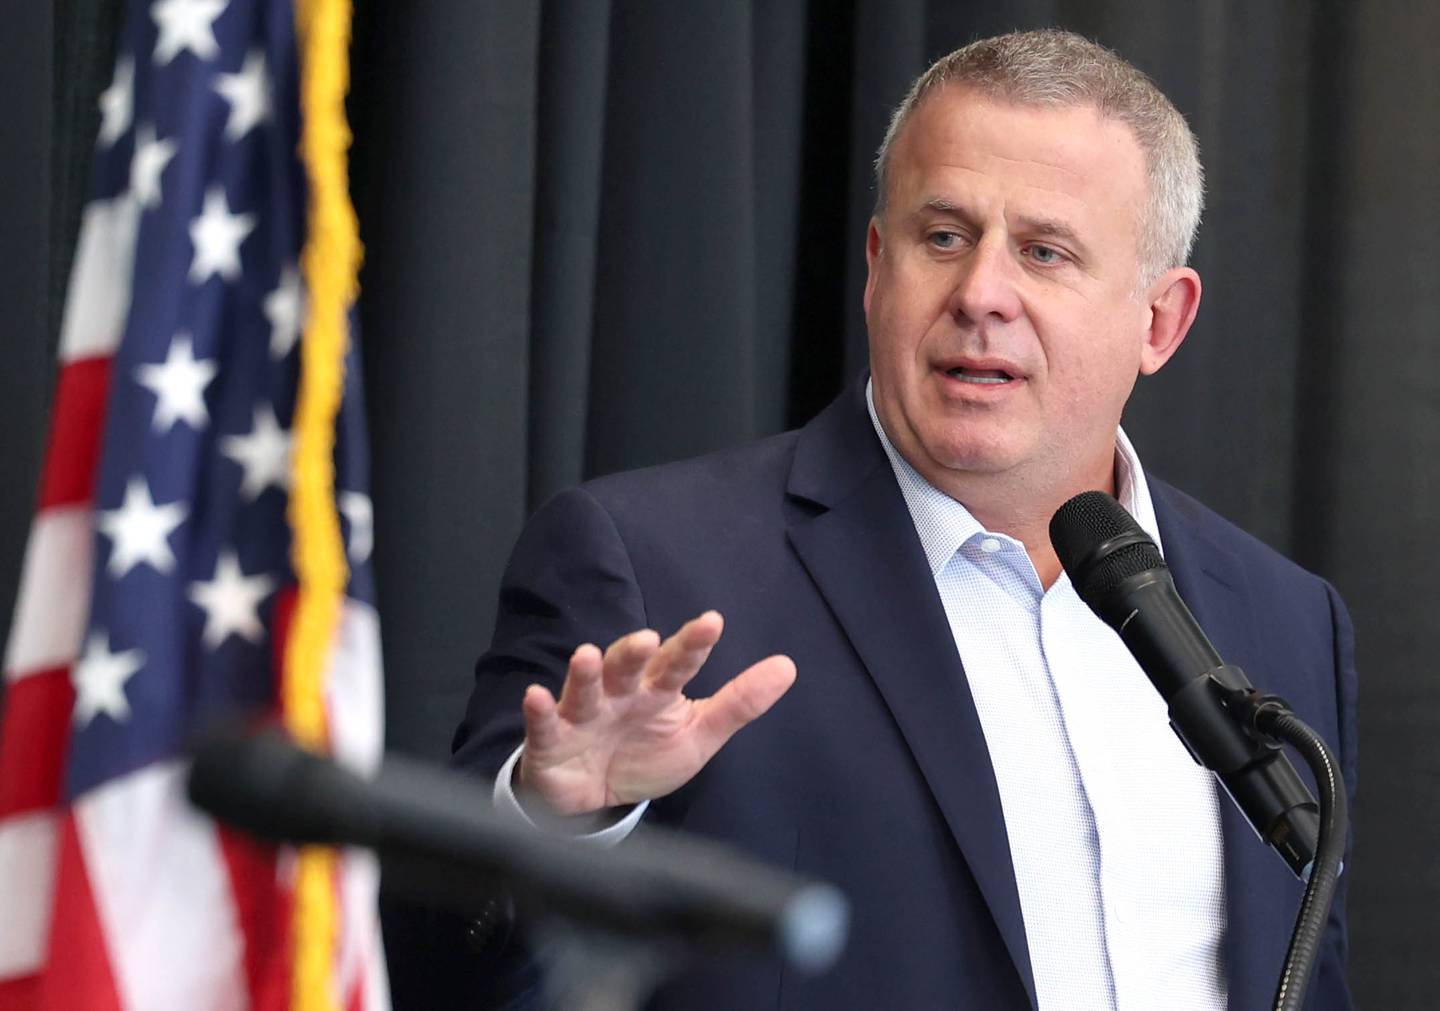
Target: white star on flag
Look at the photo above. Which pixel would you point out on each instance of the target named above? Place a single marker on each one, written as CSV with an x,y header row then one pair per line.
x,y
283,308
151,157
248,93
179,386
117,102
217,235
139,530
264,454
360,514
99,678
186,24
230,601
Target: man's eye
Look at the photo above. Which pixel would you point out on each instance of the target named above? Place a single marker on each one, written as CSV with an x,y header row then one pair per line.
x,y
1043,254
944,240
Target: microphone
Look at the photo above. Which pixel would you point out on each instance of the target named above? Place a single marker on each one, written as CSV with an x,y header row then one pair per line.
x,y
1118,572
440,832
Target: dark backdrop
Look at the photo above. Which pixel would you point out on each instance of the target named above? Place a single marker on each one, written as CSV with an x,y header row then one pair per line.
x,y
607,234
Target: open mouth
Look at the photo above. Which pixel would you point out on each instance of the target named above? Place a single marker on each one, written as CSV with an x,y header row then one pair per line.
x,y
984,377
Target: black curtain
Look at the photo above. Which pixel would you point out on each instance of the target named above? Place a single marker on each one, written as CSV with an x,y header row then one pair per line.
x,y
606,234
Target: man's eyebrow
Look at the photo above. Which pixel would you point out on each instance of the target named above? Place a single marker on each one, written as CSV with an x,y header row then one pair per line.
x,y
942,205
1047,227
1051,227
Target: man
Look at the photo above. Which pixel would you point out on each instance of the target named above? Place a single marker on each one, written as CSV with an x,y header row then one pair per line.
x,y
967,751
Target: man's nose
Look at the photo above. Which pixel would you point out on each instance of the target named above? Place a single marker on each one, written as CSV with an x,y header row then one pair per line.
x,y
985,284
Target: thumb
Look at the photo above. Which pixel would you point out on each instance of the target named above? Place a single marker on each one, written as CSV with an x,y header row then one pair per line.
x,y
748,695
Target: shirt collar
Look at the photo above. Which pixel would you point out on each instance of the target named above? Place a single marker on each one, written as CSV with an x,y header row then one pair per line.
x,y
944,524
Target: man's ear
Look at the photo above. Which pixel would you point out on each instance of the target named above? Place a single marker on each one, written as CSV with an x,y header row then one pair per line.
x,y
873,247
1173,298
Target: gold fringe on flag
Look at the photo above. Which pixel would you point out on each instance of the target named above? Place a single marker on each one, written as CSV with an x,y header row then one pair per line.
x,y
329,263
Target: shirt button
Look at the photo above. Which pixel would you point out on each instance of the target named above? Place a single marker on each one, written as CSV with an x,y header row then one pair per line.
x,y
990,544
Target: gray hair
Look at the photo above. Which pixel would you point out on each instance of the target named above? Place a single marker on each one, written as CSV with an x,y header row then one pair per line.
x,y
1056,69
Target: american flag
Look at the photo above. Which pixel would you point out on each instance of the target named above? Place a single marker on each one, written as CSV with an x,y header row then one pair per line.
x,y
157,586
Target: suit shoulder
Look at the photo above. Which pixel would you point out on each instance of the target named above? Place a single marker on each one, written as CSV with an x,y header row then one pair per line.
x,y
1249,549
715,481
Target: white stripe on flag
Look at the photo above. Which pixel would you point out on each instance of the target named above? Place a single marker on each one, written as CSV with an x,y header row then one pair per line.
x,y
355,689
163,893
356,703
99,289
53,601
28,845
361,958
376,992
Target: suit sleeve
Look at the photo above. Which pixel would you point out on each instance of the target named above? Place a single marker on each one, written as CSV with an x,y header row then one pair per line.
x,y
569,581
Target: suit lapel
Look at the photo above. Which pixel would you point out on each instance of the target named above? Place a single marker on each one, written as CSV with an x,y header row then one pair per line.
x,y
864,556
1261,894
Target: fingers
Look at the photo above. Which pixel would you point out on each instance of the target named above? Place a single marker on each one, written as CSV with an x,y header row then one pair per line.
x,y
581,696
626,658
685,652
746,696
542,722
632,661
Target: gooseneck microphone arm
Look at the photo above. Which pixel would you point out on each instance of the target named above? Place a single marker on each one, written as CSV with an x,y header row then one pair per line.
x,y
1304,948
1223,721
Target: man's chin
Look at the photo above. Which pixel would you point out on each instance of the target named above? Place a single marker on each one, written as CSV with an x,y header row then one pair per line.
x,y
974,457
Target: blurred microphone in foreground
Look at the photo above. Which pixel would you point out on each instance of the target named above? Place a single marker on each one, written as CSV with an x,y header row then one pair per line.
x,y
436,834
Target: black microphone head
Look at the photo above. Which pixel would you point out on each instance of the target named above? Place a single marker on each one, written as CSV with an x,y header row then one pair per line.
x,y
1100,545
266,785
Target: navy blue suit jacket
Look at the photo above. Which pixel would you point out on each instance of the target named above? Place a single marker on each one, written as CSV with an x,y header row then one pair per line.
x,y
872,772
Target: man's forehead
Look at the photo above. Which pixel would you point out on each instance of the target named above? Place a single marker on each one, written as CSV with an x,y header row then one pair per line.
x,y
1067,137
1057,154
950,99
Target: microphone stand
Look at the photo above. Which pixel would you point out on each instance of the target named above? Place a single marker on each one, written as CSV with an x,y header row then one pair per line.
x,y
1227,726
595,970
1268,719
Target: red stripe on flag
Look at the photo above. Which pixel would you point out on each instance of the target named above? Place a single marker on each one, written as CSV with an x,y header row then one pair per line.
x,y
33,740
76,422
22,994
281,617
264,910
78,974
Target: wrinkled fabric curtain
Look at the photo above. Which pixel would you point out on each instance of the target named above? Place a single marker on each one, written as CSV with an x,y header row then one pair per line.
x,y
634,232
606,234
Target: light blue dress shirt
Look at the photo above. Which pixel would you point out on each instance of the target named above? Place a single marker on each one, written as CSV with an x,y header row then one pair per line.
x,y
1114,831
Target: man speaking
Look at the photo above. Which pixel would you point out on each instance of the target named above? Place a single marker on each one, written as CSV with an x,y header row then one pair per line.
x,y
948,733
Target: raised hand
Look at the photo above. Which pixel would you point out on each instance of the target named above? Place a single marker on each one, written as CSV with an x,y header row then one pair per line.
x,y
623,731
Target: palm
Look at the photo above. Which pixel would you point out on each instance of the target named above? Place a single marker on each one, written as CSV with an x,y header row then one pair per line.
x,y
623,731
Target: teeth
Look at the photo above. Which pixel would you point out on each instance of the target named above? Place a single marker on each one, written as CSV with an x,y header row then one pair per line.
x,y
966,377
